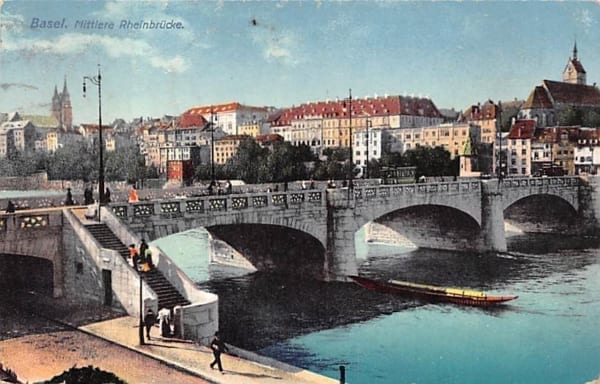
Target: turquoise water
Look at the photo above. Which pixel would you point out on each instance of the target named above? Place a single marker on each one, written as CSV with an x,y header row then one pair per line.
x,y
550,334
24,194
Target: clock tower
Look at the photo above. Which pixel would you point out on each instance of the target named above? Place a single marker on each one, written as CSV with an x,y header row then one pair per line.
x,y
574,72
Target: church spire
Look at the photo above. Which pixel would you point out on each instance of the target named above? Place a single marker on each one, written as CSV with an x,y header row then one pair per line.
x,y
65,91
575,51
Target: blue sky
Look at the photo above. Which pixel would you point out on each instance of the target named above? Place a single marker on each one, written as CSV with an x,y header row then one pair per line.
x,y
283,53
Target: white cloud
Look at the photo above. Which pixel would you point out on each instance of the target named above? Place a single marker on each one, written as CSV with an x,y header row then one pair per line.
x,y
276,46
10,23
116,47
584,18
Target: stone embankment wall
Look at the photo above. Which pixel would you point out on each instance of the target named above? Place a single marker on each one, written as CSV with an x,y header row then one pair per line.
x,y
379,233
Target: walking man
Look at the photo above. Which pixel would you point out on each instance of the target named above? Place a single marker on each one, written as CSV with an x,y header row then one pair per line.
x,y
218,346
149,321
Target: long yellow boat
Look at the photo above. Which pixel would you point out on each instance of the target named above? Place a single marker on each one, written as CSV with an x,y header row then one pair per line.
x,y
433,293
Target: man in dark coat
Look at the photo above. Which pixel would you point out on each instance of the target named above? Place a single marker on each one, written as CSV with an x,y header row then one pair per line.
x,y
149,321
218,346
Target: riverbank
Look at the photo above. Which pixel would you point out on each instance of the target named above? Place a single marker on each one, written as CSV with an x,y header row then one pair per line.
x,y
61,339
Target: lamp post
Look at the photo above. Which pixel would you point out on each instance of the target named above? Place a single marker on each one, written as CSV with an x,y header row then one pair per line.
x,y
97,80
499,116
212,145
141,325
351,176
367,168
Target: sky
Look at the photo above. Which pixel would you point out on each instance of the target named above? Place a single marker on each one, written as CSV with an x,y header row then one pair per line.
x,y
284,53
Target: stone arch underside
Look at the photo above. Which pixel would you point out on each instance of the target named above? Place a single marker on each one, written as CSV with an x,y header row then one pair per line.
x,y
543,213
272,247
435,226
26,273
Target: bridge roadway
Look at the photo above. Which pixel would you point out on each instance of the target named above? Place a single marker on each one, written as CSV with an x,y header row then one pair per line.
x,y
326,220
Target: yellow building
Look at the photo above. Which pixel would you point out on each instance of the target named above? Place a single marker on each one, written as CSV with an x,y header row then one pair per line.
x,y
226,147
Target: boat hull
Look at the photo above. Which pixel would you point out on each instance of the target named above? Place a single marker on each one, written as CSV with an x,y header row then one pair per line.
x,y
431,293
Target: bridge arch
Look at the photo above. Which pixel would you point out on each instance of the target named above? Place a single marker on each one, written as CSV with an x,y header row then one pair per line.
x,y
544,212
274,247
26,273
435,226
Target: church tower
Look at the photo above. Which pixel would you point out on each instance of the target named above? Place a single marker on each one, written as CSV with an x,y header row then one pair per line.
x,y
61,108
66,109
574,72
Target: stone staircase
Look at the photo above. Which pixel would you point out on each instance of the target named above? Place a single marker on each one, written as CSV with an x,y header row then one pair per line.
x,y
168,296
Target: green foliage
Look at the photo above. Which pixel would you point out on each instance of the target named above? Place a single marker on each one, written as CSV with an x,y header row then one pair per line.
x,y
85,375
79,161
570,116
254,164
591,118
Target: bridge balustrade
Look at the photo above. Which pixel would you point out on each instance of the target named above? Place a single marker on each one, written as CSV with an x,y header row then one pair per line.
x,y
526,182
387,191
24,221
219,203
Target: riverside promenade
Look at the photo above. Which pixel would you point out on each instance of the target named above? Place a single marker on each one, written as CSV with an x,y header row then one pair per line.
x,y
239,366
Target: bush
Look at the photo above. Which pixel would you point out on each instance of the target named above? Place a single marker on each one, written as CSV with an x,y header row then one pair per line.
x,y
85,375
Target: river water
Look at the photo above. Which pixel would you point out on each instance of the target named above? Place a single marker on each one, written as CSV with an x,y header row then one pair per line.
x,y
550,334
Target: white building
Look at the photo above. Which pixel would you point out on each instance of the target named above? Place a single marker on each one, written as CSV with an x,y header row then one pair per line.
x,y
366,147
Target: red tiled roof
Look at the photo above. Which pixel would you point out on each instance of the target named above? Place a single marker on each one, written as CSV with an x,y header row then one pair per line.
x,y
192,120
485,111
269,138
538,99
573,94
590,134
522,129
339,109
221,108
553,134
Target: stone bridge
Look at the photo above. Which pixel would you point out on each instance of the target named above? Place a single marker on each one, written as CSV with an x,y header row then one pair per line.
x,y
313,231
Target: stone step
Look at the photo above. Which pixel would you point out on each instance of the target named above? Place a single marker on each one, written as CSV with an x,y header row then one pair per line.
x,y
168,296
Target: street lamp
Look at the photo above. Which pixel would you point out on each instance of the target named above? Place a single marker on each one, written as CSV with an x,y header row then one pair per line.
x,y
141,326
499,130
97,80
212,145
350,183
369,124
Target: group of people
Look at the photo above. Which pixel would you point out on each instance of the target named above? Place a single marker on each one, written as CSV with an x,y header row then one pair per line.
x,y
163,318
142,259
216,185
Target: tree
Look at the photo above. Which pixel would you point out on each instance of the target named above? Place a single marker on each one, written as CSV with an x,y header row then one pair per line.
x,y
570,116
591,118
430,161
247,161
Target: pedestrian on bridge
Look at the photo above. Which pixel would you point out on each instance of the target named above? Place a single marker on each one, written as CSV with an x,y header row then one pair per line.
x,y
10,207
69,200
133,197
